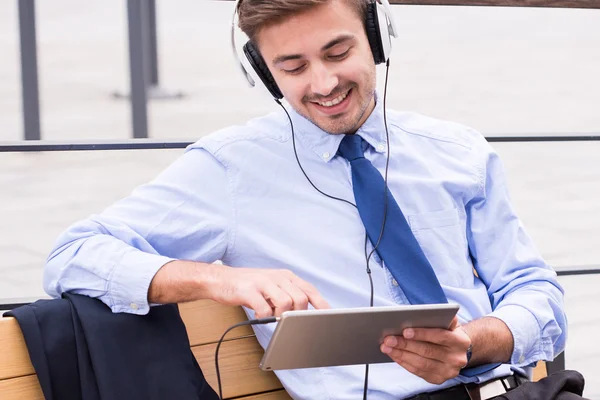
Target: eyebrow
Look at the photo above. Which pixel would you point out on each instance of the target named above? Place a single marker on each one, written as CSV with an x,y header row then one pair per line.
x,y
330,44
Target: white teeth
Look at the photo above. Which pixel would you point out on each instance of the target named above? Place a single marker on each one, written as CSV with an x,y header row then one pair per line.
x,y
335,101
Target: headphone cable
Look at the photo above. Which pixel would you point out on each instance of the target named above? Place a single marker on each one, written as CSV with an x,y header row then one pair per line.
x,y
385,192
385,206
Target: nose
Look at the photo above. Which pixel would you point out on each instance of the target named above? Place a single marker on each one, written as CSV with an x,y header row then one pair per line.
x,y
323,79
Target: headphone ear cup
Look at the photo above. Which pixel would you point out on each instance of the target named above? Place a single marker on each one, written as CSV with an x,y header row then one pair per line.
x,y
260,67
374,33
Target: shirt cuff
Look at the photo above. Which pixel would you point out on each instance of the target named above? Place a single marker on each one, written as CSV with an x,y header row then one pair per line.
x,y
130,281
525,331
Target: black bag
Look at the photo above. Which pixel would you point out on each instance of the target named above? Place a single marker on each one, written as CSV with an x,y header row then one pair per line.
x,y
561,385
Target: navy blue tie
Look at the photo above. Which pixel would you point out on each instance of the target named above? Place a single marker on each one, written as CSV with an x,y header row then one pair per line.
x,y
399,248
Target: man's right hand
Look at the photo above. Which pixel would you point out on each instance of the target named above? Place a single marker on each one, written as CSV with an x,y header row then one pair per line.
x,y
269,292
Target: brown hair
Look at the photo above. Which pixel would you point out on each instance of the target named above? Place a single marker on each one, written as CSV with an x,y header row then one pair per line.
x,y
256,14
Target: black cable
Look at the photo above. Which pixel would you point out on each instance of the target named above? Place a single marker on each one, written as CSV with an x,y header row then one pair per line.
x,y
300,165
387,163
385,206
258,321
385,197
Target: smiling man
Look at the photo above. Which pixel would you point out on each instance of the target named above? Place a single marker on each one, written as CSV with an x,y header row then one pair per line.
x,y
286,205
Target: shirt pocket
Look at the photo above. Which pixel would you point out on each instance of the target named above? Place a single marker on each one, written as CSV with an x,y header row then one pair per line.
x,y
442,237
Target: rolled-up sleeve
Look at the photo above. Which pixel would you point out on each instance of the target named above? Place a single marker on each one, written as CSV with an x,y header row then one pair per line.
x,y
185,213
523,289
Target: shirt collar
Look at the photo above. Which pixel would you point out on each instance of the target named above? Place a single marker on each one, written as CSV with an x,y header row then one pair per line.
x,y
325,145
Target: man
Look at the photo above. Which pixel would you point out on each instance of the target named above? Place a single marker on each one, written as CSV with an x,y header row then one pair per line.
x,y
239,196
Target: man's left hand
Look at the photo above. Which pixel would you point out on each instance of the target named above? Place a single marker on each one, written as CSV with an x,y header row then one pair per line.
x,y
435,355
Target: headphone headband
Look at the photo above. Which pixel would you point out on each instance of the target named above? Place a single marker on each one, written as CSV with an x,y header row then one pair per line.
x,y
390,20
233,46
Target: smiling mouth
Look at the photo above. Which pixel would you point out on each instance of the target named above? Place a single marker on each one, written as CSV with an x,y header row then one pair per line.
x,y
333,102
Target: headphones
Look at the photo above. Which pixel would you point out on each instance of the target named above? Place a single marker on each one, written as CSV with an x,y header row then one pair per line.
x,y
379,26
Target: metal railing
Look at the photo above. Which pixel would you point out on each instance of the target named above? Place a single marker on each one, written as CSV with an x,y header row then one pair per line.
x,y
149,144
143,66
143,55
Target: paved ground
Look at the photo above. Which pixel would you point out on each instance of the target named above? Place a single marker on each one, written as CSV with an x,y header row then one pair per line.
x,y
502,71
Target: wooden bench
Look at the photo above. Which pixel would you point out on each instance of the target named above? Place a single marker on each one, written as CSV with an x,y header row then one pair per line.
x,y
205,321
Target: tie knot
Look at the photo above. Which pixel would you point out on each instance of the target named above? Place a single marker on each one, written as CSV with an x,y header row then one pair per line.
x,y
351,147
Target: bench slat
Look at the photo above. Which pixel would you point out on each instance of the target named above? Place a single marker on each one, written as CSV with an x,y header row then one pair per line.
x,y
14,357
24,387
277,395
540,371
28,387
238,364
206,320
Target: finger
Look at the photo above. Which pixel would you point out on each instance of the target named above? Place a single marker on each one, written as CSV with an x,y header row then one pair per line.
x,y
426,368
429,376
299,298
451,356
313,295
424,349
441,337
280,300
259,304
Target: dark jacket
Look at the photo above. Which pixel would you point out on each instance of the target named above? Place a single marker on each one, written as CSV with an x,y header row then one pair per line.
x,y
82,351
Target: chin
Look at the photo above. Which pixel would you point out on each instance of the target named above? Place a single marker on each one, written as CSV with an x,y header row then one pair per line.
x,y
338,127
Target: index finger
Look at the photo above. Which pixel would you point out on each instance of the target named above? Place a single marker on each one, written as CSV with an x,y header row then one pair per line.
x,y
313,295
442,337
409,332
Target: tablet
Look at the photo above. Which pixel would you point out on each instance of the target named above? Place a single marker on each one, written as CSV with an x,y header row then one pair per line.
x,y
346,336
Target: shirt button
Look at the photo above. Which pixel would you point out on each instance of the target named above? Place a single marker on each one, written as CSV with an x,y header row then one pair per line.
x,y
381,147
326,155
521,359
394,282
133,306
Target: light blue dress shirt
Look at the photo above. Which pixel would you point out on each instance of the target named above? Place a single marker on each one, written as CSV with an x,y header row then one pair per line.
x,y
239,196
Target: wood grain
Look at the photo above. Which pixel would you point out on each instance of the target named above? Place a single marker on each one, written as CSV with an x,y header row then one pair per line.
x,y
22,388
14,357
206,320
238,365
539,371
276,395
